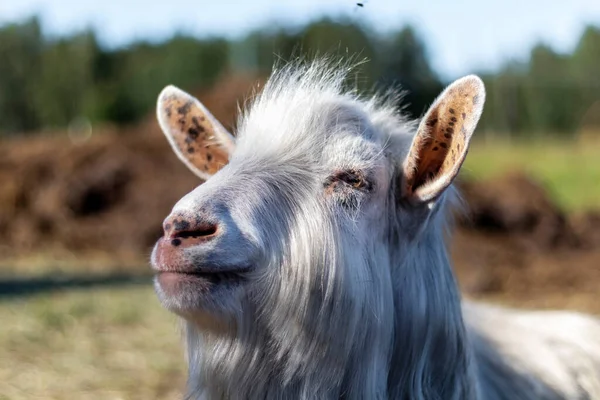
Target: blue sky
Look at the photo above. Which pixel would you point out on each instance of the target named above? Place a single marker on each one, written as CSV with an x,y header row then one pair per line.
x,y
462,36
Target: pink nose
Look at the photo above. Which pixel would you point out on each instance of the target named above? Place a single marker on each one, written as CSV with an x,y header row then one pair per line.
x,y
185,231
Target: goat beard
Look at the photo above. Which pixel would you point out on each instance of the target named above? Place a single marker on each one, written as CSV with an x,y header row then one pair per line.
x,y
302,323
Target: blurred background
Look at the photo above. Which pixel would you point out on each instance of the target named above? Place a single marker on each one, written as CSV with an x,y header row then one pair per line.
x,y
86,177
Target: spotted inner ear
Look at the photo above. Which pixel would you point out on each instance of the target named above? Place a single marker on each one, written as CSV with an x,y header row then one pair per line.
x,y
197,138
442,139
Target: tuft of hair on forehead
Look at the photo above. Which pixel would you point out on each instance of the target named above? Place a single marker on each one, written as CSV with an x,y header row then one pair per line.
x,y
302,103
300,77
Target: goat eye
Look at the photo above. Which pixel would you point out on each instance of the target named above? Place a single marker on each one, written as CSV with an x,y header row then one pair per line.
x,y
347,178
352,179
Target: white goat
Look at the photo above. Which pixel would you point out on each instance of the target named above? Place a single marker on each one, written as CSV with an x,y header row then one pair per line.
x,y
312,264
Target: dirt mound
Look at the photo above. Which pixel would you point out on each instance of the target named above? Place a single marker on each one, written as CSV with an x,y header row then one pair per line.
x,y
587,229
110,192
513,241
516,205
106,193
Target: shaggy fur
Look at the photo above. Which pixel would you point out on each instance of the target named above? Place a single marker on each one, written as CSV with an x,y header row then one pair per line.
x,y
352,294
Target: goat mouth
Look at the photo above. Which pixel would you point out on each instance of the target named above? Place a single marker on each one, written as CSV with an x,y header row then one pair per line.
x,y
186,283
212,278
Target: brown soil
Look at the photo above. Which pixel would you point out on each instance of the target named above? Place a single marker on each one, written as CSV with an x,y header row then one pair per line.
x,y
514,244
112,192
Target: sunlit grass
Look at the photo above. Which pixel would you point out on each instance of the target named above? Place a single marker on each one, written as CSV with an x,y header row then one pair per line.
x,y
569,171
94,344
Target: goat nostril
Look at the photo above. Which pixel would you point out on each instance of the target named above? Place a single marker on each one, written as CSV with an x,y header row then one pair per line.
x,y
179,230
202,231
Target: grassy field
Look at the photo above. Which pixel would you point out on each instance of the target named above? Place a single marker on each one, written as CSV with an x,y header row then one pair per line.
x,y
92,344
118,343
570,171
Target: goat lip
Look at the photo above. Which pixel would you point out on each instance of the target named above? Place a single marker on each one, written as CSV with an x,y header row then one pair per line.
x,y
173,282
203,271
215,276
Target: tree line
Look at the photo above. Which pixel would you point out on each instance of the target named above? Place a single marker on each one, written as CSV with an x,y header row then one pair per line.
x,y
49,82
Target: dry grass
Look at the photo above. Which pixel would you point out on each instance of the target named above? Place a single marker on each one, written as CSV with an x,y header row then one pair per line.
x,y
94,344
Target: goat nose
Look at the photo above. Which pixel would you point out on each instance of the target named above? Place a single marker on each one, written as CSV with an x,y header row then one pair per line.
x,y
188,231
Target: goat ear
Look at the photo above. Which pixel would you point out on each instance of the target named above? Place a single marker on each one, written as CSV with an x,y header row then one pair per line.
x,y
442,140
198,139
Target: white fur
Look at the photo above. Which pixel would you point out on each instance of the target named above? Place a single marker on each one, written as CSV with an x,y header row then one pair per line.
x,y
359,302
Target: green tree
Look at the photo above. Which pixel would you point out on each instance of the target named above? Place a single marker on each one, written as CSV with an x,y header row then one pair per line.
x,y
20,54
66,81
404,61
